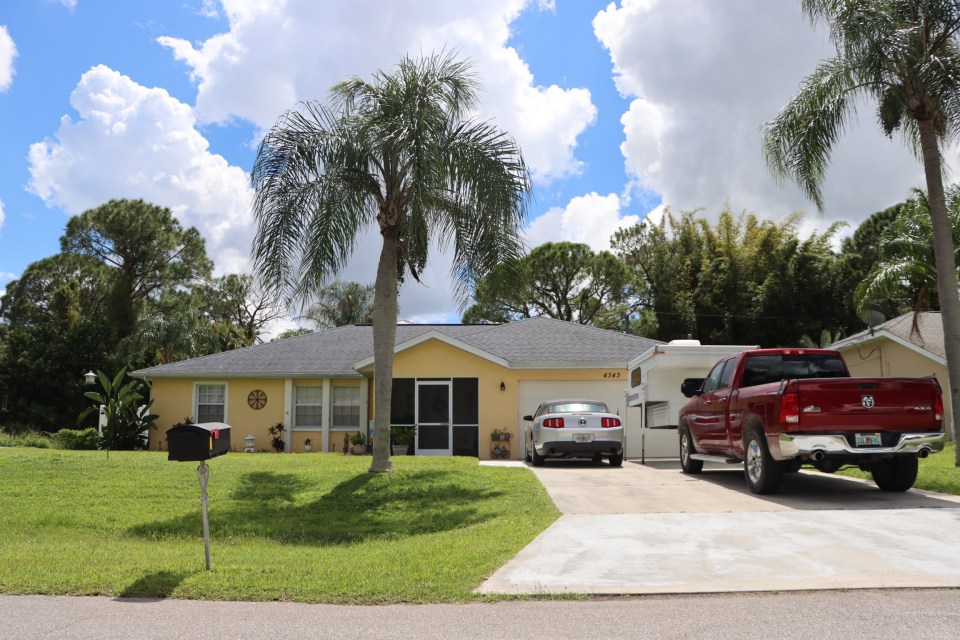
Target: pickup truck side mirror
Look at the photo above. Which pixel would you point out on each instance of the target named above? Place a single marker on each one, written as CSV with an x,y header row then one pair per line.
x,y
528,418
691,387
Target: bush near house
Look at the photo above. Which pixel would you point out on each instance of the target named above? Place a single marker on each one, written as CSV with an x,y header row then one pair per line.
x,y
316,528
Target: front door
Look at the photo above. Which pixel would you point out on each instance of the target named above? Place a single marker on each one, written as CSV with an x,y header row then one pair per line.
x,y
434,437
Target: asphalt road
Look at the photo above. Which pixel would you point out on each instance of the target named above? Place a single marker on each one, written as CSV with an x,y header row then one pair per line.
x,y
914,615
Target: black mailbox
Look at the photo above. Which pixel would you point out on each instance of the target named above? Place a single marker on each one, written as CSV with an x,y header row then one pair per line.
x,y
196,442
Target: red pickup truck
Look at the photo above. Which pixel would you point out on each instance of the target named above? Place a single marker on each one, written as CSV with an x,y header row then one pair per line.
x,y
775,410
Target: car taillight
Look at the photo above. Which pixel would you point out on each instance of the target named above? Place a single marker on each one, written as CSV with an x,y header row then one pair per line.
x,y
606,423
938,406
790,408
553,423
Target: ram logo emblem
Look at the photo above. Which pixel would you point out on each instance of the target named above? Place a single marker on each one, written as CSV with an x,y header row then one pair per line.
x,y
867,402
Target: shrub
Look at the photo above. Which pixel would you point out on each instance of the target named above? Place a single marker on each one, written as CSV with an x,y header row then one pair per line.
x,y
77,439
276,439
35,439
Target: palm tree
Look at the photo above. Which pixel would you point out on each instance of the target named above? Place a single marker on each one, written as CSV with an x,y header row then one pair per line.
x,y
341,303
401,152
905,55
906,271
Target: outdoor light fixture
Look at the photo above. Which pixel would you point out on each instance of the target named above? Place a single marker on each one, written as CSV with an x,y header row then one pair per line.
x,y
503,387
89,378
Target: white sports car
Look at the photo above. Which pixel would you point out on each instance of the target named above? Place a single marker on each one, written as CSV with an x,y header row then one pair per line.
x,y
574,428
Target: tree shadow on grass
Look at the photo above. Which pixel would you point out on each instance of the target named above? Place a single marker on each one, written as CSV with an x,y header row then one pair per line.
x,y
363,507
158,584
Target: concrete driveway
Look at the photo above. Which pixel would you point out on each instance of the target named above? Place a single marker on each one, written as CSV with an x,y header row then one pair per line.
x,y
650,529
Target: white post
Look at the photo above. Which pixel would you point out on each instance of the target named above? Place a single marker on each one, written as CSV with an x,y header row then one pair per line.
x,y
203,474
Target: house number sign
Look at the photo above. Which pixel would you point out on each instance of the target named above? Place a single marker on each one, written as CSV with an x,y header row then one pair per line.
x,y
257,399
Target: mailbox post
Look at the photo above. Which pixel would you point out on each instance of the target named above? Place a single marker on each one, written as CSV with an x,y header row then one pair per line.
x,y
199,443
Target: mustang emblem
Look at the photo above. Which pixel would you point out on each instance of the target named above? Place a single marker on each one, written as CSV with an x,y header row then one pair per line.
x,y
583,422
867,402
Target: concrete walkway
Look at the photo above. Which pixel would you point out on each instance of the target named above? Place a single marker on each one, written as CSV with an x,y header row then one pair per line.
x,y
650,529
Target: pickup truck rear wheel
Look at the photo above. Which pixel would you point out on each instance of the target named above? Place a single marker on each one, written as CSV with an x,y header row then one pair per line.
x,y
895,474
687,464
763,473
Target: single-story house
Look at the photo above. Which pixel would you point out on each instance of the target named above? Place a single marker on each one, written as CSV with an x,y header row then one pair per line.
x,y
455,383
895,349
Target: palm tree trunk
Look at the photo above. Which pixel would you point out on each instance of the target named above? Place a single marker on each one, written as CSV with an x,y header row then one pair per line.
x,y
946,268
384,341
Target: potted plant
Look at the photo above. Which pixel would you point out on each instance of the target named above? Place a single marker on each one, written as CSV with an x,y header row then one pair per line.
x,y
358,442
402,439
276,437
500,434
308,445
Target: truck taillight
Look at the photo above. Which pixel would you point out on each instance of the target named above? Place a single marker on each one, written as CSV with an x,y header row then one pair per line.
x,y
553,423
606,423
790,408
938,406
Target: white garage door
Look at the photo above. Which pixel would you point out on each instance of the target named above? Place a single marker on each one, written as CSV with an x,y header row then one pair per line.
x,y
532,393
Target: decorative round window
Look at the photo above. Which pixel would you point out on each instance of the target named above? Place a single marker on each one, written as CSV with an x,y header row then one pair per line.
x,y
257,399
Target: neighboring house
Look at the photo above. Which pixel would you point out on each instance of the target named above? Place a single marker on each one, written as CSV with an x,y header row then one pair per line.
x,y
455,383
894,349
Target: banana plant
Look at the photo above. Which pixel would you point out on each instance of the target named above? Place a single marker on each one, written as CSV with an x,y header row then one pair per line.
x,y
128,414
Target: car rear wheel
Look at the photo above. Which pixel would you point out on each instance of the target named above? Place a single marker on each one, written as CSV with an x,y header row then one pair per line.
x,y
535,457
763,473
617,460
895,474
687,463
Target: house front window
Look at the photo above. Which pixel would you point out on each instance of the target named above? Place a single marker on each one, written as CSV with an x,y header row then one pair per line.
x,y
308,408
211,403
346,407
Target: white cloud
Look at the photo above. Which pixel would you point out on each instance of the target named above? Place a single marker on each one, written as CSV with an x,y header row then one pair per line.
x,y
3,217
704,79
130,141
69,4
591,219
8,52
279,53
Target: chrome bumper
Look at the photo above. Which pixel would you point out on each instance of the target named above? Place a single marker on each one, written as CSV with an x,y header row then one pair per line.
x,y
793,446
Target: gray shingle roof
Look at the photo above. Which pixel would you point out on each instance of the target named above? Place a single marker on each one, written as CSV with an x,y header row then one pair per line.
x,y
529,343
929,334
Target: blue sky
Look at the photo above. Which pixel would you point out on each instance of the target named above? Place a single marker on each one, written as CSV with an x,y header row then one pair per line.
x,y
620,108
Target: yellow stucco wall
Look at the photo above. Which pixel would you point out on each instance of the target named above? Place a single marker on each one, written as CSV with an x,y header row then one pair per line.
x,y
173,398
173,401
885,358
497,409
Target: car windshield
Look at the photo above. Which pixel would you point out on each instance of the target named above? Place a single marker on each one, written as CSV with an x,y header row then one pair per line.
x,y
577,407
774,368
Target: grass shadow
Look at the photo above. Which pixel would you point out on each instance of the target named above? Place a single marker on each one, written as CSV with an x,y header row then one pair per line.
x,y
159,584
362,507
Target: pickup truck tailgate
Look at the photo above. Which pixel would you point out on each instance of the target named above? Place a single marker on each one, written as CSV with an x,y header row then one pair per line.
x,y
866,404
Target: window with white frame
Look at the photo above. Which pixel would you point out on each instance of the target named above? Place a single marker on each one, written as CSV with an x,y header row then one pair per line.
x,y
346,407
308,407
211,402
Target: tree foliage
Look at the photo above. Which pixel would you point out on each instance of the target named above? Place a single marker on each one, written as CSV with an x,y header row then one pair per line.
x,y
400,151
904,275
562,280
740,281
342,303
145,249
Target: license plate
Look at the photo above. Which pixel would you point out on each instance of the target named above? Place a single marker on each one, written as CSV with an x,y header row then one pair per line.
x,y
583,437
868,440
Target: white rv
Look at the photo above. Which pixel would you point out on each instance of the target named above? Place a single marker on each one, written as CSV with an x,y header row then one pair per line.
x,y
654,393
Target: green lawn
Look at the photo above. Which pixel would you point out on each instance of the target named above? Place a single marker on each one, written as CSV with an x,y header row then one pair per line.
x,y
308,527
937,472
